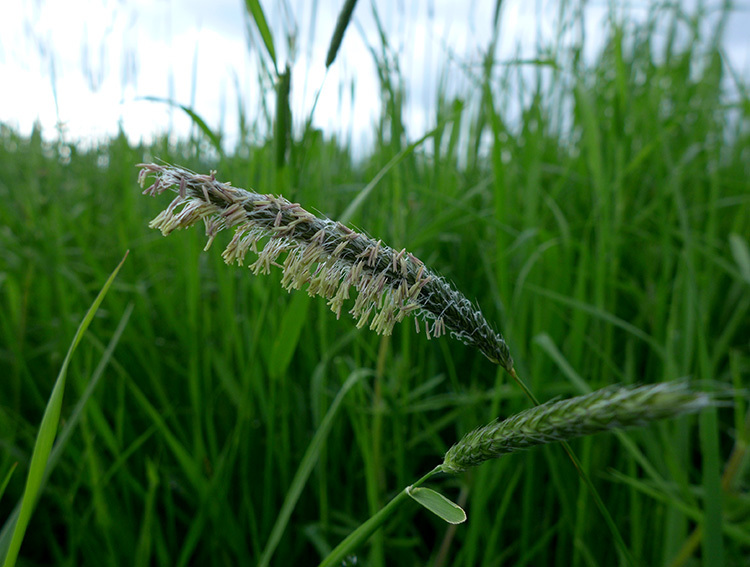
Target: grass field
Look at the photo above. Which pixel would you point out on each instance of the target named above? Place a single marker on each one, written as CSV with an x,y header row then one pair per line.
x,y
606,234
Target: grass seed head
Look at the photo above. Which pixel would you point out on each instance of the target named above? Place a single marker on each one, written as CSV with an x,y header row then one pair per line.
x,y
326,256
605,409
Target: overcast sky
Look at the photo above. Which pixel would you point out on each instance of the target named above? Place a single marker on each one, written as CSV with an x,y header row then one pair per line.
x,y
89,64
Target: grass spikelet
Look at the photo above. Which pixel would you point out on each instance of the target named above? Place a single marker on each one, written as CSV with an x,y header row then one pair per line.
x,y
615,407
326,256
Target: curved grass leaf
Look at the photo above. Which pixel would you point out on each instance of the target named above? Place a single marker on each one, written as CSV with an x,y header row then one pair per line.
x,y
342,23
48,430
283,123
212,136
67,430
357,202
6,480
256,11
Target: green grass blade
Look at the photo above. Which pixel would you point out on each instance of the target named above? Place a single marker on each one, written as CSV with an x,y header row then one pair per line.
x,y
305,468
283,123
549,346
6,480
733,531
741,253
145,540
256,11
182,454
48,431
214,138
77,412
713,544
342,23
357,202
70,425
601,314
287,338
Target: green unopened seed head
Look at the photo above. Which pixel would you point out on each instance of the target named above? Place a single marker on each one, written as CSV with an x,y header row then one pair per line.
x,y
609,408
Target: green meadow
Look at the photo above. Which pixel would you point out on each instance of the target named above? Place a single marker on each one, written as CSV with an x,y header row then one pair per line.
x,y
597,210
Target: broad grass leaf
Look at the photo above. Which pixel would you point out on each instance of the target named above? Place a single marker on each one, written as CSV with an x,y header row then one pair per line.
x,y
438,504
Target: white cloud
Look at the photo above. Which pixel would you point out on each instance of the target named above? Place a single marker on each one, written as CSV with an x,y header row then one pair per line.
x,y
99,57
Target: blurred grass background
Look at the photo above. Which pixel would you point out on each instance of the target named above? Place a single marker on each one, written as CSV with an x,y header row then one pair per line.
x,y
606,233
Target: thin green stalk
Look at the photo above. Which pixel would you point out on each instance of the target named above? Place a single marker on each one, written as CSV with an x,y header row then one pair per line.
x,y
359,536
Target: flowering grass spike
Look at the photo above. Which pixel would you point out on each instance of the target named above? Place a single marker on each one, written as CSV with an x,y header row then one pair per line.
x,y
326,256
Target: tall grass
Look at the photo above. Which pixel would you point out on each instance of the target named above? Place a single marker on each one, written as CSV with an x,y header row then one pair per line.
x,y
606,233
